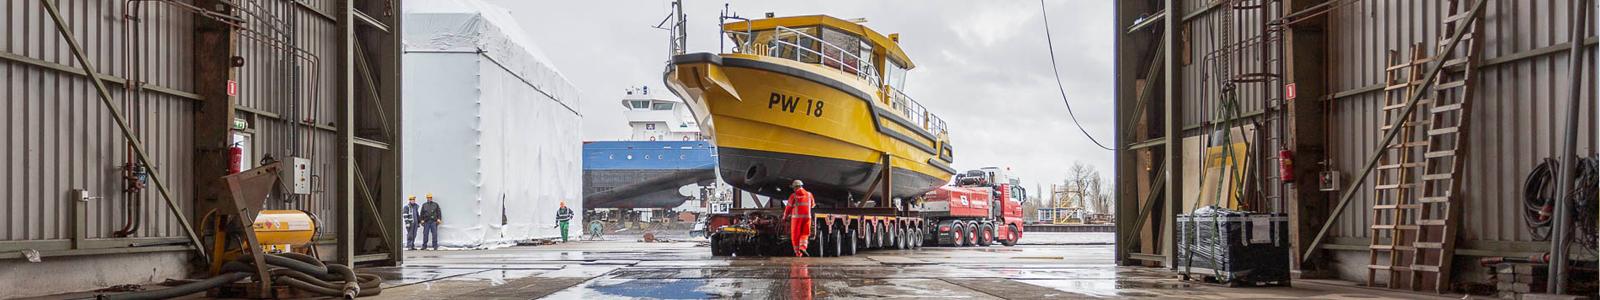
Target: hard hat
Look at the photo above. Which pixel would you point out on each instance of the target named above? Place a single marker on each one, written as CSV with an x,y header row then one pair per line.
x,y
563,203
412,197
797,183
430,195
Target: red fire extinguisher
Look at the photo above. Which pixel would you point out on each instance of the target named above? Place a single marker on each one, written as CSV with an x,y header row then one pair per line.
x,y
235,157
1286,165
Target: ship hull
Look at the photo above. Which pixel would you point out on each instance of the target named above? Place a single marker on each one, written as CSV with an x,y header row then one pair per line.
x,y
776,120
644,174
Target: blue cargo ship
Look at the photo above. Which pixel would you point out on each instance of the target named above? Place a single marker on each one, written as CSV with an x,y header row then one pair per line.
x,y
667,152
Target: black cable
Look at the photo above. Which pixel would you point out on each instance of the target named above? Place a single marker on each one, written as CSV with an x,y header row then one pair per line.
x,y
1063,89
1538,198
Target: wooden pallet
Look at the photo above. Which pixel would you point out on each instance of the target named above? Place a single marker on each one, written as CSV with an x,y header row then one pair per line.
x,y
1393,193
1446,146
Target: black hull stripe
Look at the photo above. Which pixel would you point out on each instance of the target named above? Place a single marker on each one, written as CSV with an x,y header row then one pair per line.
x,y
823,80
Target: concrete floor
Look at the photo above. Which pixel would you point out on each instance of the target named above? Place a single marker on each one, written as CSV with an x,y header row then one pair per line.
x,y
1057,265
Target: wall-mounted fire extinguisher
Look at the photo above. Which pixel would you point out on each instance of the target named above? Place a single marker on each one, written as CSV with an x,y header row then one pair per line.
x,y
235,158
1286,165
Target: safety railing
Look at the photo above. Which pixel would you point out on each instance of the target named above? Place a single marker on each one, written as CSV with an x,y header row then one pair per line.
x,y
916,113
788,43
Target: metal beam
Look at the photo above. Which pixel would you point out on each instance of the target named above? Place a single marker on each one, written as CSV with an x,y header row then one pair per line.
x,y
1561,48
366,19
1155,142
1388,137
1173,118
1152,19
103,76
127,133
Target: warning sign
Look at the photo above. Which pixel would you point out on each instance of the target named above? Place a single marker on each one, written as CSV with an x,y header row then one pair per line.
x,y
233,88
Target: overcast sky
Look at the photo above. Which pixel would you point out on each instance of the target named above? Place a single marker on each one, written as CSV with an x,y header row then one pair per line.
x,y
983,66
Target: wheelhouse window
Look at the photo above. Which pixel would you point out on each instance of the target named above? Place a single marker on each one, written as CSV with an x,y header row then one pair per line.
x,y
895,75
662,106
639,104
843,57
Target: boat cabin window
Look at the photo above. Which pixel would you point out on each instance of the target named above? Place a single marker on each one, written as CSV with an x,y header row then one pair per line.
x,y
639,104
895,76
662,106
845,55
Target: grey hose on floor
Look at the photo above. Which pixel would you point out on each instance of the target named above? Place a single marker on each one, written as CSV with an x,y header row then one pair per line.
x,y
298,271
172,292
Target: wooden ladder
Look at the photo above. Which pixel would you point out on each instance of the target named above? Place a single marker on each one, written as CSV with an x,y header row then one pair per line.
x,y
1446,146
1393,215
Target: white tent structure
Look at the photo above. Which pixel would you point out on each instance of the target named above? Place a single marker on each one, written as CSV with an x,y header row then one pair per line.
x,y
490,128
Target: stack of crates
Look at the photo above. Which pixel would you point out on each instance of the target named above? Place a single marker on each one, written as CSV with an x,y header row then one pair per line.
x,y
1514,279
1237,248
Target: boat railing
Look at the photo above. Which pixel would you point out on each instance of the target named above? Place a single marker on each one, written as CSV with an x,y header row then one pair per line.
x,y
917,113
788,43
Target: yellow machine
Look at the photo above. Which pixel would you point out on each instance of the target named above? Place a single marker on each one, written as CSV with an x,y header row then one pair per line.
x,y
281,231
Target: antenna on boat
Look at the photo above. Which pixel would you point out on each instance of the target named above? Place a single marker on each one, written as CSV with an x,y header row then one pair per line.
x,y
677,37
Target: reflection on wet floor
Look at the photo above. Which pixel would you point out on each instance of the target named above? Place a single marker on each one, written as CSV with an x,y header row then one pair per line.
x,y
627,270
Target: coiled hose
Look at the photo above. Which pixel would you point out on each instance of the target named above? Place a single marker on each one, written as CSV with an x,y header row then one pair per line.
x,y
1539,198
294,270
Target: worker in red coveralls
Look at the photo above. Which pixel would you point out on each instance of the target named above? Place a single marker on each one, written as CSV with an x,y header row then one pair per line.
x,y
799,214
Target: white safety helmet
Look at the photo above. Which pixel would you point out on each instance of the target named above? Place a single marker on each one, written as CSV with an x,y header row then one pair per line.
x,y
796,184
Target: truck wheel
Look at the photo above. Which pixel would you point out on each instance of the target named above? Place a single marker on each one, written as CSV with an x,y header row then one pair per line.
x,y
958,234
814,247
1012,236
719,246
850,241
972,234
836,243
883,237
986,235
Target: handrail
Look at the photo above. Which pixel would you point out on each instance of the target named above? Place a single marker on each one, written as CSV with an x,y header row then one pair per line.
x,y
832,56
917,113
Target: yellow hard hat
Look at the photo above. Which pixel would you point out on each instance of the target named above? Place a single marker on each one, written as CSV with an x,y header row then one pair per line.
x,y
430,195
411,197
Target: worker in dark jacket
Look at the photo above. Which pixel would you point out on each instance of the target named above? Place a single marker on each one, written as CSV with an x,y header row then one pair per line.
x,y
409,215
563,216
799,214
431,217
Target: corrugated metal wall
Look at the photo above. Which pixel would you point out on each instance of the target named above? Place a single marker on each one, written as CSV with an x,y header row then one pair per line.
x,y
55,135
1515,120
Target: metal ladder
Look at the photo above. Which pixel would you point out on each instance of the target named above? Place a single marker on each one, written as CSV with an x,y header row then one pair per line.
x,y
1447,125
1393,209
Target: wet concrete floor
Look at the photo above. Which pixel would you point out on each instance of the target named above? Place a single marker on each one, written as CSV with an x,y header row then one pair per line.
x,y
625,269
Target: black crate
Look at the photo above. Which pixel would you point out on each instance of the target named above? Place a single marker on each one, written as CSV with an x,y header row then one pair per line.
x,y
1234,247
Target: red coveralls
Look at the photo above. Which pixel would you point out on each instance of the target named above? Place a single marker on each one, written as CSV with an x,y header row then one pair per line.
x,y
799,214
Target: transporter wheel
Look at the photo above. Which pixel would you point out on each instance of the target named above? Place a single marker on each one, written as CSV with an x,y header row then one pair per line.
x,y
887,240
745,247
1012,236
986,235
836,247
904,242
850,241
719,246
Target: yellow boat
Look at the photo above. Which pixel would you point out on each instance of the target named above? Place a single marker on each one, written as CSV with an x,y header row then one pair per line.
x,y
814,98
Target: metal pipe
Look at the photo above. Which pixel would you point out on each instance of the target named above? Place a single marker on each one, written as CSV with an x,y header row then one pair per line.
x,y
127,134
1560,229
1388,138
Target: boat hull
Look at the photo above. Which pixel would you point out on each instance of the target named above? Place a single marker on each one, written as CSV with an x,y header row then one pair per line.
x,y
644,174
776,120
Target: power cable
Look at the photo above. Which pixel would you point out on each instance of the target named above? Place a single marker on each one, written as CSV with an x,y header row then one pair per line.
x,y
1059,87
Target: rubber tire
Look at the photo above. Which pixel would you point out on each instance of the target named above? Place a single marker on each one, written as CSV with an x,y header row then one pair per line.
x,y
972,234
815,243
904,242
958,232
719,246
1012,237
883,236
850,242
836,244
986,235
